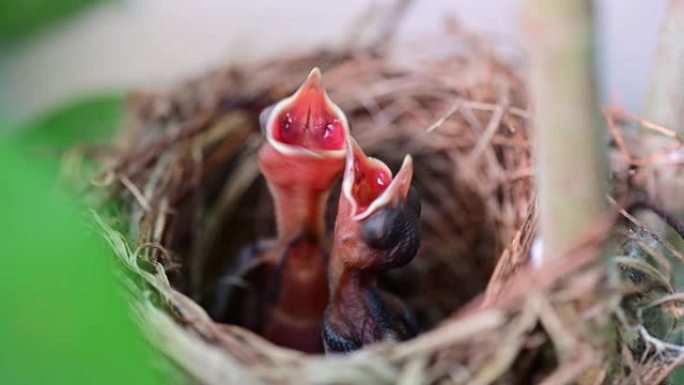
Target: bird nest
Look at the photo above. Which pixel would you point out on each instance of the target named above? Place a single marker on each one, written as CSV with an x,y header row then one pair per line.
x,y
184,195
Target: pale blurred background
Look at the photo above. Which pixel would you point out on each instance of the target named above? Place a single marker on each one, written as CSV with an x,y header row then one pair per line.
x,y
121,44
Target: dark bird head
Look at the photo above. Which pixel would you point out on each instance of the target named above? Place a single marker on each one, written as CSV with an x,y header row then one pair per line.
x,y
377,222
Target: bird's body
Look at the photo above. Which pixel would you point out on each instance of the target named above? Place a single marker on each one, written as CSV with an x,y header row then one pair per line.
x,y
362,314
301,159
376,230
294,296
285,296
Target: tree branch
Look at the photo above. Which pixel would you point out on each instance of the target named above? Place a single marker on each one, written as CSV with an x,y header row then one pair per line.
x,y
665,96
570,137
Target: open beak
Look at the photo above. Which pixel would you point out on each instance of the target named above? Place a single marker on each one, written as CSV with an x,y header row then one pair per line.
x,y
368,184
303,156
307,123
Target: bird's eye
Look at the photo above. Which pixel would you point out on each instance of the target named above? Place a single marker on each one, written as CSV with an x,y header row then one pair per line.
x,y
382,229
396,232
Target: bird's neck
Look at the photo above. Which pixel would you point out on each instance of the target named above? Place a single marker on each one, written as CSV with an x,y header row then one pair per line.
x,y
303,288
349,286
299,211
357,279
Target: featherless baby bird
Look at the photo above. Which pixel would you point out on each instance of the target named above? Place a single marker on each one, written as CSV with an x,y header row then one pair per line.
x,y
377,229
301,159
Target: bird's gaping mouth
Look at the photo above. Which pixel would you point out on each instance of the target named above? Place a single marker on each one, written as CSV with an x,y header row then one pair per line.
x,y
308,122
368,183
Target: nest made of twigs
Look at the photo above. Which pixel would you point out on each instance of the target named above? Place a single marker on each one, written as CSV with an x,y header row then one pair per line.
x,y
189,195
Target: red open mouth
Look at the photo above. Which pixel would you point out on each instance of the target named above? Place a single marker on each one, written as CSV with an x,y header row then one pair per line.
x,y
309,120
368,182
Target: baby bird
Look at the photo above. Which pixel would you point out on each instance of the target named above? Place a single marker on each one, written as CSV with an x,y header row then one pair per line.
x,y
377,229
302,158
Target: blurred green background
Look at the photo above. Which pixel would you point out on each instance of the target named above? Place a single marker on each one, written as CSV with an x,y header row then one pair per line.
x,y
64,320
19,19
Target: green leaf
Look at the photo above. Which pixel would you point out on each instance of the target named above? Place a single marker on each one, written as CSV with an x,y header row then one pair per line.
x,y
63,319
678,376
93,120
19,18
